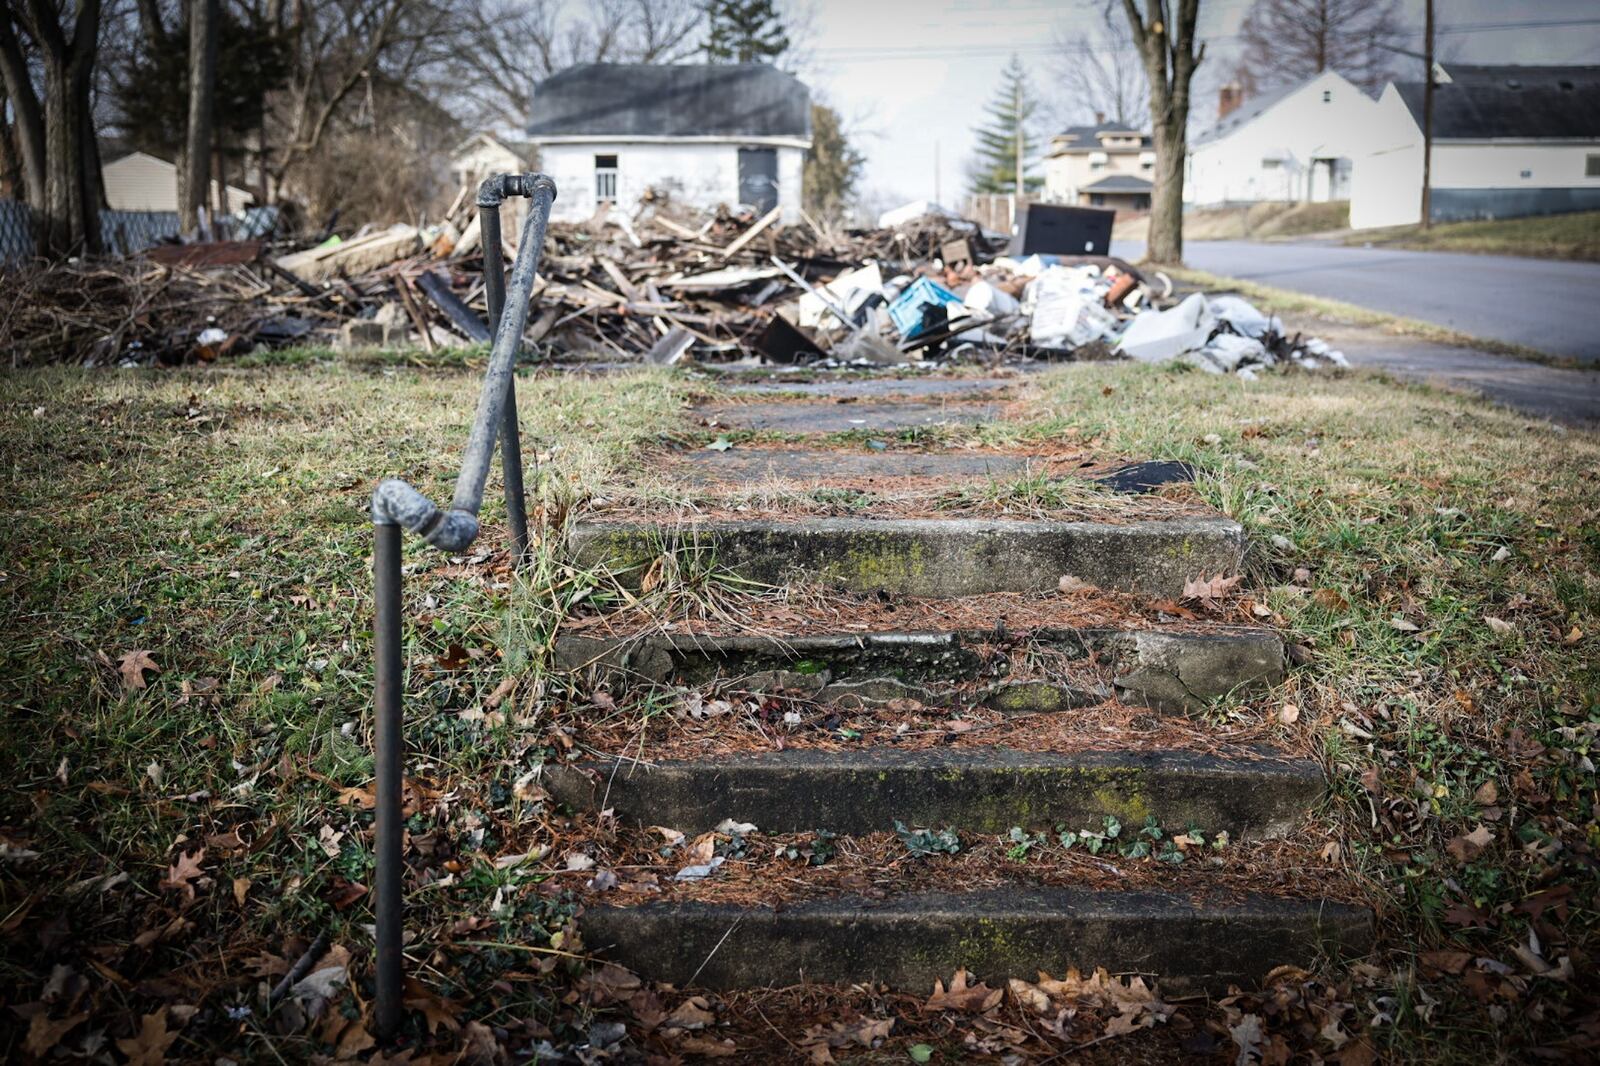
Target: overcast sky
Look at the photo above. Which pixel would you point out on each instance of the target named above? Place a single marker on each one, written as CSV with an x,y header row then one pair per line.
x,y
911,76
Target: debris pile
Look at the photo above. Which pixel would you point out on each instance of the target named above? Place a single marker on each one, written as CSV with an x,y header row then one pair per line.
x,y
662,285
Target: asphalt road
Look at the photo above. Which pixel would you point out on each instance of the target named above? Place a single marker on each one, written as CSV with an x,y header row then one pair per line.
x,y
1552,306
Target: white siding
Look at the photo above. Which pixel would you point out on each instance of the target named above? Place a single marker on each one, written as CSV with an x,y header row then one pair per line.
x,y
1288,136
1387,185
704,174
483,158
141,182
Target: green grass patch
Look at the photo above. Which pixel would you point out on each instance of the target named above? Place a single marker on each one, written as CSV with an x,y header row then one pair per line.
x,y
1570,236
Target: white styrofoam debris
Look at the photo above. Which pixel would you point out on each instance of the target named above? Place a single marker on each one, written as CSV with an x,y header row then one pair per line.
x,y
1156,336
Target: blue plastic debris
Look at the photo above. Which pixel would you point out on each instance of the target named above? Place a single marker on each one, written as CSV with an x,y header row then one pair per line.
x,y
908,310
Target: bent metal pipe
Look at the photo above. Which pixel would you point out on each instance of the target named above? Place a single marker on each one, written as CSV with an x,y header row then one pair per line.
x,y
397,506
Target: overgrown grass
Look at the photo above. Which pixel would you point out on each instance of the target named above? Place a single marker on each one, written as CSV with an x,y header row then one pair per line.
x,y
1570,236
216,519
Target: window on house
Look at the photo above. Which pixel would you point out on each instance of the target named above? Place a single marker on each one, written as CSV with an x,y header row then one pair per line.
x,y
605,179
1591,166
1327,96
1527,173
1271,164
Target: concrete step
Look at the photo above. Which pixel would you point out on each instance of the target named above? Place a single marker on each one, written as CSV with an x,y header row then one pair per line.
x,y
1190,944
985,790
932,557
835,417
1176,670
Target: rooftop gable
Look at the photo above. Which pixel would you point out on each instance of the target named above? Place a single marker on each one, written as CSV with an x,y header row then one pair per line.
x,y
678,100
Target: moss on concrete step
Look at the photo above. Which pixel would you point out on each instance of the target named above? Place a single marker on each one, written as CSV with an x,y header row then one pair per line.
x,y
985,790
909,942
1166,670
933,557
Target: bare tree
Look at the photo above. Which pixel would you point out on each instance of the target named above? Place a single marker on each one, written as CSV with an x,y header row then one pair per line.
x,y
67,210
1166,43
1101,74
509,46
26,112
194,163
1284,42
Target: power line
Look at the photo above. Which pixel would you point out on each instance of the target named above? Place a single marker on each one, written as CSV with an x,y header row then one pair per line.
x,y
943,51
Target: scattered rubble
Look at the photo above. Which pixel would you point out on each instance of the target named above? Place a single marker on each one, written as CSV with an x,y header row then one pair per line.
x,y
665,285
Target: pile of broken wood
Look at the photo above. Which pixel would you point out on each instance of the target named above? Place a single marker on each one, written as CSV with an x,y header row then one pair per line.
x,y
652,285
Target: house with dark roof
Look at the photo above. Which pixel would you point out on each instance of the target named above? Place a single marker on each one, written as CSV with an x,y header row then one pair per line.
x,y
1508,141
485,154
1295,144
608,133
1107,164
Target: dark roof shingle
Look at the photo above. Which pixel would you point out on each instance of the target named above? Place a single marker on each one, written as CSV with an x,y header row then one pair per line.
x,y
1537,109
683,100
1119,183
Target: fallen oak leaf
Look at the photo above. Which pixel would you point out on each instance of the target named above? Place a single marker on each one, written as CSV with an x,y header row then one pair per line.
x,y
132,666
148,1047
45,1032
1207,591
183,872
1468,846
962,996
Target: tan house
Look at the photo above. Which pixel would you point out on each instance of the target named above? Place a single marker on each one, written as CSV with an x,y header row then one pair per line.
x,y
485,155
139,181
1104,165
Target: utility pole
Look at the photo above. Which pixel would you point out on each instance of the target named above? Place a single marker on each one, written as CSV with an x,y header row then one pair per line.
x,y
1017,99
1427,119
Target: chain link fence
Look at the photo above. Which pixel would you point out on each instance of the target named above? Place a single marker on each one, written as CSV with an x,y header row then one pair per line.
x,y
121,232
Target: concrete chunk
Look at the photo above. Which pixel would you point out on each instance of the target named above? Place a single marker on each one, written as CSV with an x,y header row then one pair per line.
x,y
1190,945
934,557
985,790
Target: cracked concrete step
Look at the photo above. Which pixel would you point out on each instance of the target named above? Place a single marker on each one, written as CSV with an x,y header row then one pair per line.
x,y
985,790
874,417
930,557
1166,670
884,387
1189,944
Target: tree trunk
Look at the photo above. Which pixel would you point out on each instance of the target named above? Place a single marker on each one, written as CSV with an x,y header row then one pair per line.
x,y
1170,57
194,168
1164,244
69,221
27,116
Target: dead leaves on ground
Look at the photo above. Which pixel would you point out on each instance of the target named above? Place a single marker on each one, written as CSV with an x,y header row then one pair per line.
x,y
1207,592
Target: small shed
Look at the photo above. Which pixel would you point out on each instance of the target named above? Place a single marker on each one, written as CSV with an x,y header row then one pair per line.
x,y
486,154
705,134
139,181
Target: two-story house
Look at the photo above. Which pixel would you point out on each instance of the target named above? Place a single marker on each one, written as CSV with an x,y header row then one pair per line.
x,y
1104,165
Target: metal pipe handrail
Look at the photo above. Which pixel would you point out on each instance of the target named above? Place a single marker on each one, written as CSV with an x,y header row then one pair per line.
x,y
397,506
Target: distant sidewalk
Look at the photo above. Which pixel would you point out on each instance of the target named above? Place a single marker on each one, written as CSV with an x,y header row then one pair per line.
x,y
1568,396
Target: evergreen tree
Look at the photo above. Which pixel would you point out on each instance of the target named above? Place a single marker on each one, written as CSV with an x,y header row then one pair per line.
x,y
744,31
994,168
832,166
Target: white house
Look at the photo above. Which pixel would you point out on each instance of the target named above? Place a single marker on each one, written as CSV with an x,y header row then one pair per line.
x,y
1296,144
709,135
141,182
484,155
1507,141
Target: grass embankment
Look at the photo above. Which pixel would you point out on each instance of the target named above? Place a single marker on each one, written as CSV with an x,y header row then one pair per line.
x,y
1572,236
1262,221
185,671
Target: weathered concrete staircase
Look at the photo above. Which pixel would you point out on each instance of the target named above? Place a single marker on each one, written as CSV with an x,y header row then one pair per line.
x,y
1189,939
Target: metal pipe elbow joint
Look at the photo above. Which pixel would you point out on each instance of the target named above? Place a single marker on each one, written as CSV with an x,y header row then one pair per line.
x,y
394,502
494,190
